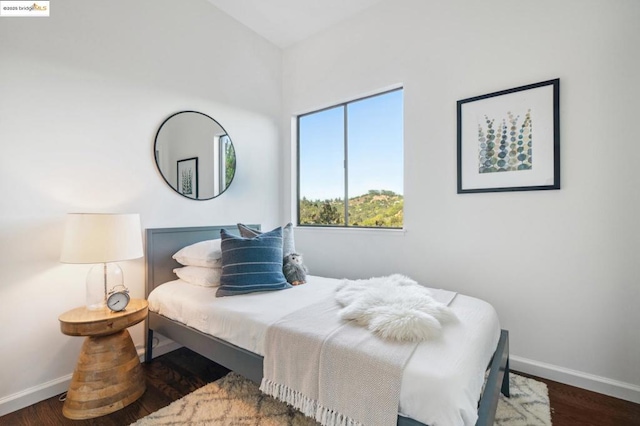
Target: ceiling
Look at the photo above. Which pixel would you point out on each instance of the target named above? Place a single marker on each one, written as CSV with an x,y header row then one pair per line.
x,y
285,22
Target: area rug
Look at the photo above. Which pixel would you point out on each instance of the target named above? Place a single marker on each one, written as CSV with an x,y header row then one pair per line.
x,y
234,400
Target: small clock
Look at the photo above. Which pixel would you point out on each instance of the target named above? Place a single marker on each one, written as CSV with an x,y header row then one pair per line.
x,y
118,298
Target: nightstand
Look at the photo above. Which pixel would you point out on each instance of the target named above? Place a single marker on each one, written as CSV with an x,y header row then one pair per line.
x,y
108,375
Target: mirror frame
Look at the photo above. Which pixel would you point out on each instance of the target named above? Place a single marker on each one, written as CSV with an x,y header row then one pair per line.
x,y
155,157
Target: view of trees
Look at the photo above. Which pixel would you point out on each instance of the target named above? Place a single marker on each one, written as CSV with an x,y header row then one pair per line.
x,y
381,209
230,163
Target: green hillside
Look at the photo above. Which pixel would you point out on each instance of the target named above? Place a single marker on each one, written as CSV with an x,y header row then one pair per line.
x,y
382,209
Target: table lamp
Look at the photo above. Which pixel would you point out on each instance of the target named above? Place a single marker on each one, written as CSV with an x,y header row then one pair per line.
x,y
102,239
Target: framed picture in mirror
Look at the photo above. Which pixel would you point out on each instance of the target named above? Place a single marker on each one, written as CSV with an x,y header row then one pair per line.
x,y
188,177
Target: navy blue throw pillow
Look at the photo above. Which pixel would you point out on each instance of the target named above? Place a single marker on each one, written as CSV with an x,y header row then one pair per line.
x,y
251,264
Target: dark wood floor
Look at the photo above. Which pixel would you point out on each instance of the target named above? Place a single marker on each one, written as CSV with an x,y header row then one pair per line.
x,y
171,376
571,406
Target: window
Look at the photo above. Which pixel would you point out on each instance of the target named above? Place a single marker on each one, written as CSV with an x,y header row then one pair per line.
x,y
227,167
350,164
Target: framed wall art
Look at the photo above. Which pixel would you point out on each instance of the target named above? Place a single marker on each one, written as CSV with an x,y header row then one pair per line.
x,y
188,177
510,140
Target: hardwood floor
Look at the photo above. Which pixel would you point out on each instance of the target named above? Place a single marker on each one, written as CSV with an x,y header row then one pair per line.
x,y
168,377
571,406
171,376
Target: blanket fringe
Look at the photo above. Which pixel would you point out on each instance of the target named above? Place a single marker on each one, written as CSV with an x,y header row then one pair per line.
x,y
309,407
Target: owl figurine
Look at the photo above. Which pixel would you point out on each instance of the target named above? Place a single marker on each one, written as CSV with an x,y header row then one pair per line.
x,y
294,269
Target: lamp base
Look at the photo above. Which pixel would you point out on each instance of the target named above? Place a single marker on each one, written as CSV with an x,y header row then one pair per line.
x,y
102,277
97,306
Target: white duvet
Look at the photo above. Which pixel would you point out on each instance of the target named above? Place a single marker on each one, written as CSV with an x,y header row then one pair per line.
x,y
441,383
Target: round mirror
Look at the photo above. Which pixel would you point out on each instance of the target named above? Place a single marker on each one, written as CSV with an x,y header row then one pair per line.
x,y
195,155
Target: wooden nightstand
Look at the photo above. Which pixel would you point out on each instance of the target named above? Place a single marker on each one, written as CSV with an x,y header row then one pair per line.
x,y
108,375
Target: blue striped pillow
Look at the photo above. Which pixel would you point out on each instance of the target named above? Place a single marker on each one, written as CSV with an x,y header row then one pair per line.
x,y
251,264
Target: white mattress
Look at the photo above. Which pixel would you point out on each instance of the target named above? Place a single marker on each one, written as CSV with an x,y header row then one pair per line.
x,y
441,383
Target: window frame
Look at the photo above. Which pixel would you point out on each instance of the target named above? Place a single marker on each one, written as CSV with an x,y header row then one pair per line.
x,y
343,105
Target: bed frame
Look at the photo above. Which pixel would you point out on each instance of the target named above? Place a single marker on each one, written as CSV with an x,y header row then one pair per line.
x,y
162,243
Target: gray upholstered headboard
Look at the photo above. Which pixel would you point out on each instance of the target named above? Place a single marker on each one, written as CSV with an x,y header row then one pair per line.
x,y
162,243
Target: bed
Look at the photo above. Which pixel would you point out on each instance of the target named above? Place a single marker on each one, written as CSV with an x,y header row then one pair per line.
x,y
244,355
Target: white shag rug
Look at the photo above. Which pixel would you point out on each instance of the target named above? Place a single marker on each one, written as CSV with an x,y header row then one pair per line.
x,y
234,400
393,307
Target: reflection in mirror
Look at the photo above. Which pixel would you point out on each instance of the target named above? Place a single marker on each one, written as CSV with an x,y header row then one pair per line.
x,y
195,155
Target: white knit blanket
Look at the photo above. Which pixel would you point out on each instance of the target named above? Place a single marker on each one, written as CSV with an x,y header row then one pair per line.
x,y
334,371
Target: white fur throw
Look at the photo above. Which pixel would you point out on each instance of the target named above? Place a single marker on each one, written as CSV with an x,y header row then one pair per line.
x,y
394,307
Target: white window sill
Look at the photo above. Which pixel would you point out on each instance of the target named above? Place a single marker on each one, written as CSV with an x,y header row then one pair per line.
x,y
348,230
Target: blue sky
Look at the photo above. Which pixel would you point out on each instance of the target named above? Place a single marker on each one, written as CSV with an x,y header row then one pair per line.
x,y
375,148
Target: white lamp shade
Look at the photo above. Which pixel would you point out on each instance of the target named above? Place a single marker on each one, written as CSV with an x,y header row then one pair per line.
x,y
101,238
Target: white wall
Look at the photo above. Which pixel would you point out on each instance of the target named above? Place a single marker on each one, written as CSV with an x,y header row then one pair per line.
x,y
561,267
82,94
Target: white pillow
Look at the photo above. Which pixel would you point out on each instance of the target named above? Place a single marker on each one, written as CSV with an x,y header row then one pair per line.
x,y
205,253
198,275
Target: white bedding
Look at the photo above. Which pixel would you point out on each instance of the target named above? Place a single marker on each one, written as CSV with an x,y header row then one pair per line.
x,y
453,365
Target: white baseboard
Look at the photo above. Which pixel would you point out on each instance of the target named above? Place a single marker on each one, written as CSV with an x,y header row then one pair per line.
x,y
35,394
615,388
164,346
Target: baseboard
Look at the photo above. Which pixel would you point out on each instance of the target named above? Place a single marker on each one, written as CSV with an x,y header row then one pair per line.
x,y
615,388
164,346
34,394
